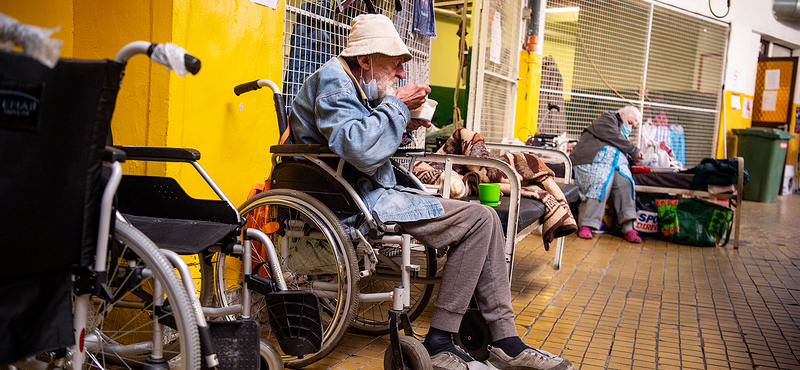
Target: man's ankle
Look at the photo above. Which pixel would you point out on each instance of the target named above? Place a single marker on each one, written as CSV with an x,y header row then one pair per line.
x,y
512,346
438,341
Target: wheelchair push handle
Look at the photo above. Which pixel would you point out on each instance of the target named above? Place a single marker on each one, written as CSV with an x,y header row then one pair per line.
x,y
280,104
255,85
170,55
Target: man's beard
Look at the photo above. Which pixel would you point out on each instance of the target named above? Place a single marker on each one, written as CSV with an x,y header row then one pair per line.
x,y
387,87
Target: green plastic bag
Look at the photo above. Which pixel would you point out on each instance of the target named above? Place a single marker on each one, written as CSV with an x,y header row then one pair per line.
x,y
692,221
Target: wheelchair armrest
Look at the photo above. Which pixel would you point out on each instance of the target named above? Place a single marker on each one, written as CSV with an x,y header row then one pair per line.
x,y
409,152
298,149
112,154
162,154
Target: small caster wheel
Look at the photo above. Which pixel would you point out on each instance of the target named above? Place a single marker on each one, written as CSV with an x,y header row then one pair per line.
x,y
473,336
270,358
415,356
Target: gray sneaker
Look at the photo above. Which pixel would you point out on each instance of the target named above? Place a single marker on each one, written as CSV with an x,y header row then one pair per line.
x,y
529,359
449,361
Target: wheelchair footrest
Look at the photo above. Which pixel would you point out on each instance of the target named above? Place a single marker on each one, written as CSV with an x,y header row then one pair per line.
x,y
236,343
295,318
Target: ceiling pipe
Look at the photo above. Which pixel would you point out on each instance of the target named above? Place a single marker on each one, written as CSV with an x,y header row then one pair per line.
x,y
787,10
449,14
532,33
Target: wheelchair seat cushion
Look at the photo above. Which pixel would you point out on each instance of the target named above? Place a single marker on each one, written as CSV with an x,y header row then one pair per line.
x,y
163,197
179,235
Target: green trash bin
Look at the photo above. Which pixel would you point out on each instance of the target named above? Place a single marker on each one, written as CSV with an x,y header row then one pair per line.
x,y
764,153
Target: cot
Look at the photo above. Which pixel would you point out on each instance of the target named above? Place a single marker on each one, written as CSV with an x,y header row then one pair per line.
x,y
679,183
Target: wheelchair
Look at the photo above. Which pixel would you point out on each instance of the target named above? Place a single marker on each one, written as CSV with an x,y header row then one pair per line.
x,y
310,185
80,288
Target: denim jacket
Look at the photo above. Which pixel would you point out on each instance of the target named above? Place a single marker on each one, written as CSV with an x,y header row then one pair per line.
x,y
331,109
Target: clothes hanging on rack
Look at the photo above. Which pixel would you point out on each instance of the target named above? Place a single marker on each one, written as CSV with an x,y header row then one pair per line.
x,y
424,19
678,142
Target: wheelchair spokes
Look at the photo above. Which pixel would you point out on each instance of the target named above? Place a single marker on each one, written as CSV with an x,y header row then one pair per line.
x,y
373,317
315,256
148,313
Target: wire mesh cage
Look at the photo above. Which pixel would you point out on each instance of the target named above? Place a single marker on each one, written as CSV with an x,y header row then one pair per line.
x,y
316,31
600,55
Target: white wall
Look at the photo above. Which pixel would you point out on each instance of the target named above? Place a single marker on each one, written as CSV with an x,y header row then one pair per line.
x,y
749,20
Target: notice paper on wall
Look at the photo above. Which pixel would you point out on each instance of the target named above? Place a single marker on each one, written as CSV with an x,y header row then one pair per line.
x,y
270,3
747,108
736,102
772,79
497,39
769,100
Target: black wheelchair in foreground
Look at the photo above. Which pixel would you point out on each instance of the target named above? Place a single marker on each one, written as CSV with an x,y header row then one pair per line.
x,y
80,288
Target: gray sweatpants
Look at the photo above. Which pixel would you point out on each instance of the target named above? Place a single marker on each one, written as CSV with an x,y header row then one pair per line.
x,y
475,264
591,210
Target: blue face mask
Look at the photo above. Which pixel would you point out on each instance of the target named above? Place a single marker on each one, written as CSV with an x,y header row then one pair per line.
x,y
370,89
626,129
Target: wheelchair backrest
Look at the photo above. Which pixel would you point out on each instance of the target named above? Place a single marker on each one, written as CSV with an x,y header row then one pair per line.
x,y
53,127
311,179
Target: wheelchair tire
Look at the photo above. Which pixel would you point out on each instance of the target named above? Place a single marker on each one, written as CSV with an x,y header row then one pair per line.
x,y
270,358
296,221
122,328
415,356
372,317
473,335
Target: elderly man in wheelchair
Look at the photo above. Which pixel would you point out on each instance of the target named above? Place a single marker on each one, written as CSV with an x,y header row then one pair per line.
x,y
352,105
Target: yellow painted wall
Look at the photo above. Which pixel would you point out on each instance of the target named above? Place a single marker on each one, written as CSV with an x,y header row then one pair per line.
x,y
237,41
444,52
530,74
794,144
101,29
734,120
96,30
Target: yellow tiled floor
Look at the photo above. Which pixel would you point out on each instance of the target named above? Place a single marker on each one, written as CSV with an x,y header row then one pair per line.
x,y
656,305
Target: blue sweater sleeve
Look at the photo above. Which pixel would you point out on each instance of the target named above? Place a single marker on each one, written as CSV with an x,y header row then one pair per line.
x,y
364,138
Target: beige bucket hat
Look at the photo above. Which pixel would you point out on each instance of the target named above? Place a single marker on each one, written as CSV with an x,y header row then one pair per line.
x,y
374,33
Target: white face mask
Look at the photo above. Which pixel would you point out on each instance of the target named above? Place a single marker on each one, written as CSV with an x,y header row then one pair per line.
x,y
370,89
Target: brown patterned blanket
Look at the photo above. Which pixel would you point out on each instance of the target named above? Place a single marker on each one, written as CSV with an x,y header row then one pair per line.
x,y
536,177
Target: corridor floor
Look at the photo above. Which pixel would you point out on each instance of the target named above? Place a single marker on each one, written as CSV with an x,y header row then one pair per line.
x,y
656,305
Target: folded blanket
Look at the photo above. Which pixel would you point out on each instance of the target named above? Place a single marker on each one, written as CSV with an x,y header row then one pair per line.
x,y
536,177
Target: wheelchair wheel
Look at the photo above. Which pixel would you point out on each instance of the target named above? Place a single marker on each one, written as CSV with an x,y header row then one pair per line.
x,y
415,356
316,255
120,332
473,335
372,318
270,358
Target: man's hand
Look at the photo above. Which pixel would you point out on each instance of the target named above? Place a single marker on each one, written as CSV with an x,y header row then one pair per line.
x,y
417,123
639,159
413,95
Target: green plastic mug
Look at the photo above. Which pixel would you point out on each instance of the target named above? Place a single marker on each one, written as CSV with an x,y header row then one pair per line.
x,y
489,194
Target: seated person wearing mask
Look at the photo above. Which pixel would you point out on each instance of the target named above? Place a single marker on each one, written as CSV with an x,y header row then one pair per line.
x,y
352,105
600,161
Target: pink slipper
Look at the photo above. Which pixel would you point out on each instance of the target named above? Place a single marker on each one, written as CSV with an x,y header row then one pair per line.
x,y
585,232
633,236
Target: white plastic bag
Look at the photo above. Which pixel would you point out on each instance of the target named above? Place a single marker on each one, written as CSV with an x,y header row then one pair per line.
x,y
172,56
34,41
